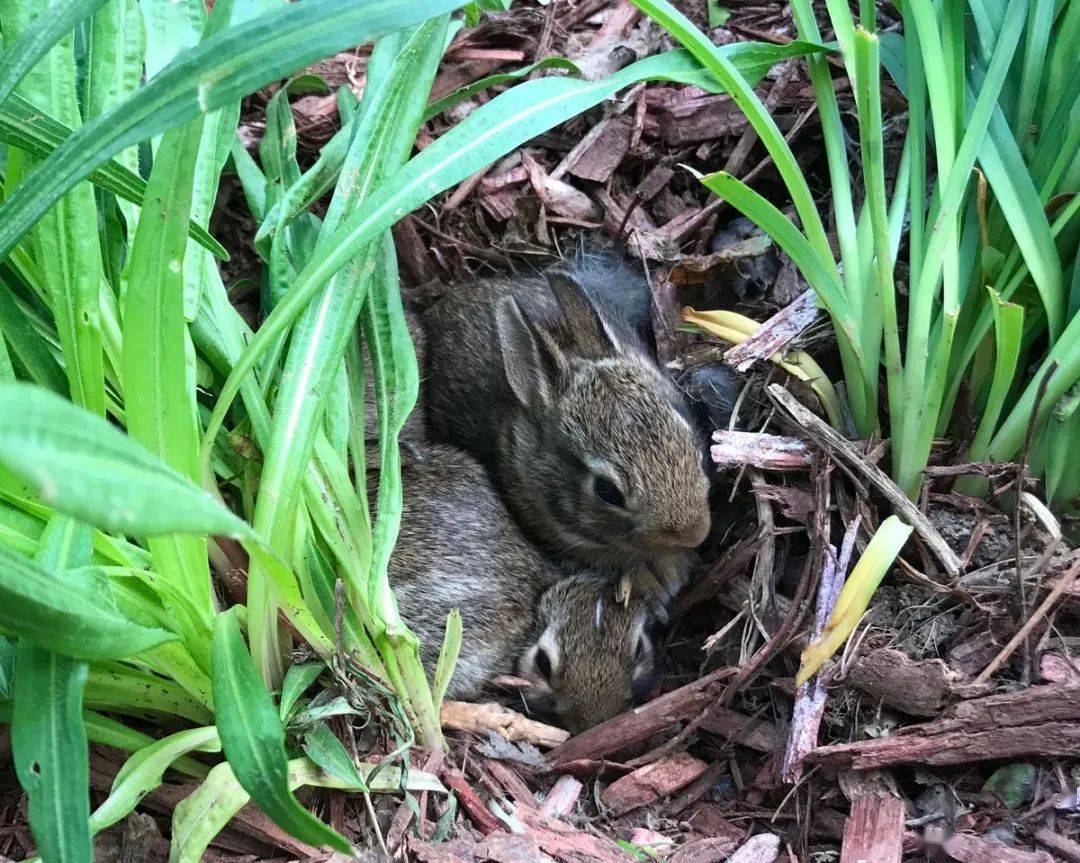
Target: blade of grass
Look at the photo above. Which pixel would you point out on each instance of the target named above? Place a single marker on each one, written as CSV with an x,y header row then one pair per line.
x,y
1008,329
855,595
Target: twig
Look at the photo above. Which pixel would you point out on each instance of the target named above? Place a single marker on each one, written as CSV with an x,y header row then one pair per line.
x,y
836,445
1064,584
1021,476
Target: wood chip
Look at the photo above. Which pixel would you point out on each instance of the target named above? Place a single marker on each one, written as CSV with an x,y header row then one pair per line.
x,y
562,798
972,849
758,734
1040,720
470,801
650,783
484,717
642,722
918,688
874,832
776,333
708,850
737,449
605,152
1065,848
1055,668
763,848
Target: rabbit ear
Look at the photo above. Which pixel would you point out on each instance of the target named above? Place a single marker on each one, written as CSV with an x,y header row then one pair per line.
x,y
530,365
582,319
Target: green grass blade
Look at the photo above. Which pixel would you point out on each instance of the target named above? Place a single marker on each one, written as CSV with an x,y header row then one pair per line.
x,y
1033,68
323,748
1008,330
223,68
1063,450
25,126
47,733
1019,201
868,97
254,740
30,350
21,56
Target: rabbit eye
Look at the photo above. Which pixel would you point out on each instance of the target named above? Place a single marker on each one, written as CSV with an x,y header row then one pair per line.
x,y
607,492
543,663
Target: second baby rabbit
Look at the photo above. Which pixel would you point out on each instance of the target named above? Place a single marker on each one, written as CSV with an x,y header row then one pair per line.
x,y
587,657
588,440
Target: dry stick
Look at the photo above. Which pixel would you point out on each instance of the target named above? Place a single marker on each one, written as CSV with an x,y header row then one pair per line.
x,y
842,449
1064,583
1021,476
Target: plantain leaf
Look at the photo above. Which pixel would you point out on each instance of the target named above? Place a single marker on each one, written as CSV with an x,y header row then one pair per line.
x,y
66,615
322,747
144,771
20,57
25,126
81,465
297,679
254,740
47,734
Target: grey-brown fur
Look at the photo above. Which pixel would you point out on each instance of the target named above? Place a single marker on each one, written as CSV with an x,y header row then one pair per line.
x,y
535,380
460,548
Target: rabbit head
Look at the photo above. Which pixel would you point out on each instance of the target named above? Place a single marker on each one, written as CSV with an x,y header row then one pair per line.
x,y
598,449
593,657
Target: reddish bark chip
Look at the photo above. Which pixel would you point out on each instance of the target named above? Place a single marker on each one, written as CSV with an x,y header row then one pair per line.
x,y
649,783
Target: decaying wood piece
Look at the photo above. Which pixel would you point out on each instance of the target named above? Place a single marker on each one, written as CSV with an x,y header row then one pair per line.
x,y
764,451
758,734
651,783
1040,720
642,722
915,687
776,333
874,832
971,849
810,698
1064,847
481,718
842,449
763,848
470,801
562,798
712,849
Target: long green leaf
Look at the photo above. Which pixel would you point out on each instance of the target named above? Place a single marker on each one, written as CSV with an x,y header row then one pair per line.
x,y
47,734
143,772
20,57
66,615
254,740
217,72
25,126
159,390
1008,330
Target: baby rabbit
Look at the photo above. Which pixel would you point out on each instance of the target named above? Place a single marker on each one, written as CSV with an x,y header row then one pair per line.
x,y
460,548
588,441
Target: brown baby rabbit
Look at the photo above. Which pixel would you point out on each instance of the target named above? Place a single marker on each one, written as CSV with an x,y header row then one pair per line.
x,y
587,657
587,439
